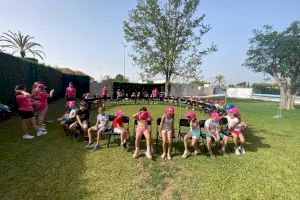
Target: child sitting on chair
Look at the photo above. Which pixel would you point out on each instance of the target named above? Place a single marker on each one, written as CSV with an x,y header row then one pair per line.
x,y
236,129
193,134
82,119
118,125
166,131
100,127
69,117
212,133
142,128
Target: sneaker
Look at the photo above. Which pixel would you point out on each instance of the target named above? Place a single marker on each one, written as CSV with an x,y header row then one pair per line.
x,y
96,148
242,150
169,157
148,155
39,133
28,137
136,154
124,145
237,151
163,156
211,155
186,154
89,146
196,152
223,153
44,131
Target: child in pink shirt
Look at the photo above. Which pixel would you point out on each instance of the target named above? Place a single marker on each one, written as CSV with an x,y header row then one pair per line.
x,y
70,92
25,110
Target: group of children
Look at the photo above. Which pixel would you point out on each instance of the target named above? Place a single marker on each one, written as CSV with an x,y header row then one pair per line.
x,y
34,107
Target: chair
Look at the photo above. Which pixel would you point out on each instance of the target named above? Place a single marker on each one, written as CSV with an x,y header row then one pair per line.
x,y
158,121
111,132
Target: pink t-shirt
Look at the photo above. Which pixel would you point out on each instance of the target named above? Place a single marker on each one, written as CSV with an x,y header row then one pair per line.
x,y
43,101
70,92
24,103
104,91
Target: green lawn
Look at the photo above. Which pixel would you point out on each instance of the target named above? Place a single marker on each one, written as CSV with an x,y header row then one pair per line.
x,y
57,167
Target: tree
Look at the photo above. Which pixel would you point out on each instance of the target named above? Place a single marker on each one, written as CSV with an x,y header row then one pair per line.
x,y
242,84
220,79
166,37
120,78
22,44
277,54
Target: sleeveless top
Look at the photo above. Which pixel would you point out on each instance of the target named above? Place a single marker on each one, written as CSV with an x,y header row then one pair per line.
x,y
167,125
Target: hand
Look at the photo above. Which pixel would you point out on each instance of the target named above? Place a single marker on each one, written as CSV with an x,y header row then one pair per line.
x,y
52,91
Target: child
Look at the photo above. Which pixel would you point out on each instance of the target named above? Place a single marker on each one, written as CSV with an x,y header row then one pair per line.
x,y
118,125
142,128
193,134
70,92
82,119
23,99
212,132
42,107
69,117
100,127
167,131
236,128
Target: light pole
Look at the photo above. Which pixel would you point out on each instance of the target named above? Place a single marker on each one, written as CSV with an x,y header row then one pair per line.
x,y
124,59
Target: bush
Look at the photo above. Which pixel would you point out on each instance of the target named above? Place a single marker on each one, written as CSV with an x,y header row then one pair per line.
x,y
14,71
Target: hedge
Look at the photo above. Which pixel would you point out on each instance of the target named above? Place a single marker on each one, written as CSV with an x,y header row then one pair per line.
x,y
14,71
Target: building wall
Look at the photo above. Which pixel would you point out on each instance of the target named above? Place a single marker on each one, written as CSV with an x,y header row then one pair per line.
x,y
239,92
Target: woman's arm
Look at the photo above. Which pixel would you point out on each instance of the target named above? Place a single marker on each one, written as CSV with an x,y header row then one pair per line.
x,y
51,93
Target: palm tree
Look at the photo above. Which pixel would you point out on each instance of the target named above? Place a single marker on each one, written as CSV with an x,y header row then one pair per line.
x,y
22,44
220,78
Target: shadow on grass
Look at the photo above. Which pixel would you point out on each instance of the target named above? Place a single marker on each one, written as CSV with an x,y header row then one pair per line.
x,y
253,141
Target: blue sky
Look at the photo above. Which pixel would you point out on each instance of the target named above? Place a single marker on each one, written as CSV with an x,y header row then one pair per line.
x,y
87,34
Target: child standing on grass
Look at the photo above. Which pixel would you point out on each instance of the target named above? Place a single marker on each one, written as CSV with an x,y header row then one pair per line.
x,y
70,92
193,134
100,127
167,131
42,107
236,127
142,117
25,110
82,119
118,125
69,117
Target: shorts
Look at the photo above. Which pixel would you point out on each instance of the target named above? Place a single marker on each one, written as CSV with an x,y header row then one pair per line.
x,y
69,121
117,130
84,122
141,129
100,128
195,134
70,99
166,130
26,114
236,132
222,135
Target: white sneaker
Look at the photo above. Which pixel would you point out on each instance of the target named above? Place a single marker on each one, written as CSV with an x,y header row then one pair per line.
x,y
163,156
44,132
148,154
39,133
28,137
186,154
237,151
242,150
196,152
169,157
136,154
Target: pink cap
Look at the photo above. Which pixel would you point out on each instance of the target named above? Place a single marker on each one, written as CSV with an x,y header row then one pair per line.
x,y
234,111
214,115
190,115
222,102
170,110
41,86
71,104
144,115
119,113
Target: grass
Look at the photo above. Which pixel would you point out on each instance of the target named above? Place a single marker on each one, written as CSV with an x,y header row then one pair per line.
x,y
57,167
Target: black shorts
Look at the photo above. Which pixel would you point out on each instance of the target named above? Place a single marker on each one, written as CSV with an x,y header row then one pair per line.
x,y
70,99
105,97
26,114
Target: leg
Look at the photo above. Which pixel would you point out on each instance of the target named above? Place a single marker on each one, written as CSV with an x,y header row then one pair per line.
x,y
99,135
24,126
138,137
242,139
148,139
235,139
225,142
169,134
185,140
209,143
163,135
41,117
90,134
194,143
33,124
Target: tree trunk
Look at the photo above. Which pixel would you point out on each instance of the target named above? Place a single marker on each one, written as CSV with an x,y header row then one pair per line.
x,y
167,84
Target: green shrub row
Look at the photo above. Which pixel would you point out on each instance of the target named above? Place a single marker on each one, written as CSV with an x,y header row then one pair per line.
x,y
14,71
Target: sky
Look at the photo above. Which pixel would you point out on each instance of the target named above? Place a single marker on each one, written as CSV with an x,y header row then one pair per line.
x,y
87,34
